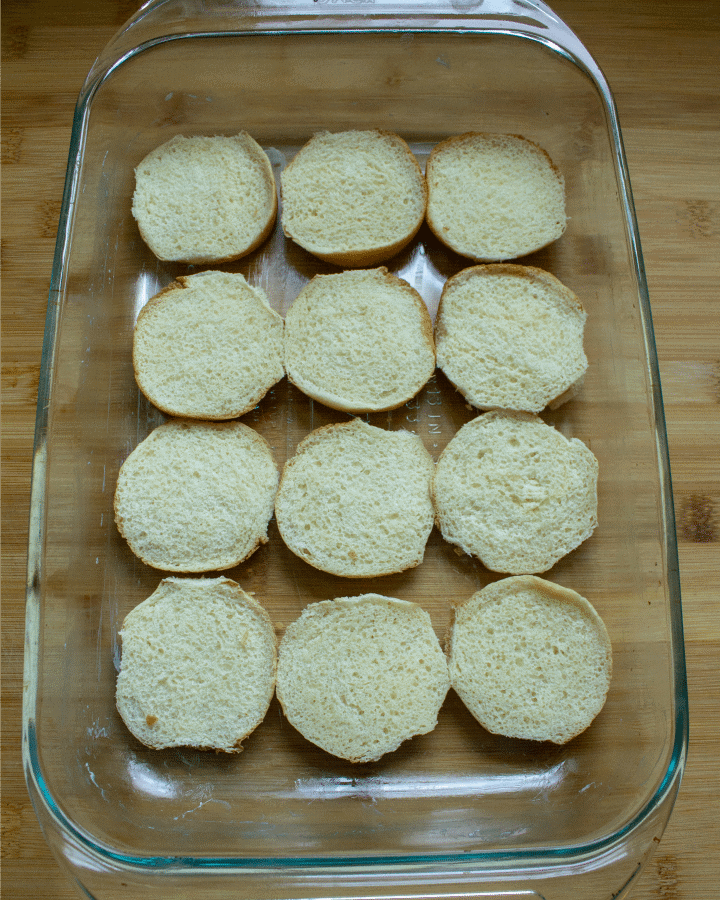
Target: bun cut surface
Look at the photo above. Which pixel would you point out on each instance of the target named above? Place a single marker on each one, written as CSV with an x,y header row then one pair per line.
x,y
515,492
205,199
494,197
357,676
353,198
530,659
196,496
199,659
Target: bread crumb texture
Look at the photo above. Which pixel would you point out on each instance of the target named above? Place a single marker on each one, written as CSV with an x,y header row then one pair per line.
x,y
530,659
493,197
198,665
510,337
353,198
354,500
359,341
205,199
209,346
515,492
196,496
357,676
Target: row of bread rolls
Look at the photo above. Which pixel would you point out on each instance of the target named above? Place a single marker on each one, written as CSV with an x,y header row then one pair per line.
x,y
357,676
356,500
353,198
209,346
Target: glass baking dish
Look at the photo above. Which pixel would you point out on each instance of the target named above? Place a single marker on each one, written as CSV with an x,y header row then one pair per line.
x,y
458,812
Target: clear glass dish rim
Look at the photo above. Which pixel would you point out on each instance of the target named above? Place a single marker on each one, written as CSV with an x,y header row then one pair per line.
x,y
409,17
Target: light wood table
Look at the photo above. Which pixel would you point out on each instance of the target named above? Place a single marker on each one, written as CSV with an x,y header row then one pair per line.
x,y
661,59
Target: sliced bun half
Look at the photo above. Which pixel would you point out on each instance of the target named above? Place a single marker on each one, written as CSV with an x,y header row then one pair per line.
x,y
196,496
198,665
515,492
357,676
510,337
359,341
208,347
354,500
530,659
353,198
205,199
493,197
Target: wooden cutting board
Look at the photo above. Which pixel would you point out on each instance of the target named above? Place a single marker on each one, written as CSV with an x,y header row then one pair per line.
x,y
661,59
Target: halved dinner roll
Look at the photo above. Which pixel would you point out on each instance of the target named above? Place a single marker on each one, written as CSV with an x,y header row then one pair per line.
x,y
353,198
354,500
510,337
208,346
198,667
515,492
359,341
530,659
494,197
357,676
205,199
196,496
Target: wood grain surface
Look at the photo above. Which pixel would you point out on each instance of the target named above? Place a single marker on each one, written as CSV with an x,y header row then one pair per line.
x,y
661,59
